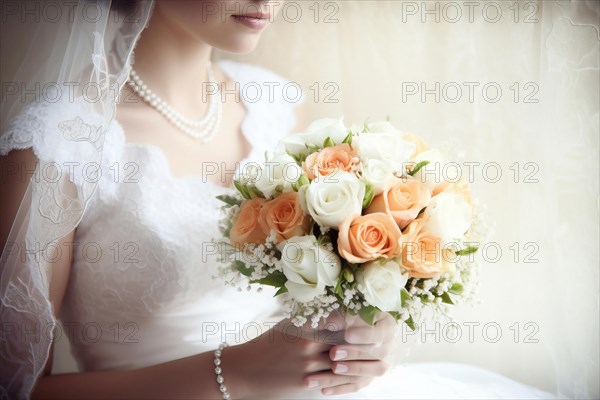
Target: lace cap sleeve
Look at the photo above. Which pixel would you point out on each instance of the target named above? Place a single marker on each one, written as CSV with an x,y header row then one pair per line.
x,y
67,136
270,100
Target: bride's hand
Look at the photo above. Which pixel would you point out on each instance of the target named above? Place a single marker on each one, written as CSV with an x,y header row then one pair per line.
x,y
276,363
357,362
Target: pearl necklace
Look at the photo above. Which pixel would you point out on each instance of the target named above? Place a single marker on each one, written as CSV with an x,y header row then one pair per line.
x,y
204,129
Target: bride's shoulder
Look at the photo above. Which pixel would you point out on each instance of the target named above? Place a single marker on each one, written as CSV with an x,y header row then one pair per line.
x,y
64,131
245,72
260,84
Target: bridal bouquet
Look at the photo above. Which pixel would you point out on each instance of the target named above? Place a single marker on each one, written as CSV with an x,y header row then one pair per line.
x,y
359,219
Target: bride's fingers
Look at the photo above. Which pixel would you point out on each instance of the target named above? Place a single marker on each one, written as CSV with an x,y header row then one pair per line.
x,y
356,352
319,363
322,380
360,368
347,388
311,347
369,335
382,332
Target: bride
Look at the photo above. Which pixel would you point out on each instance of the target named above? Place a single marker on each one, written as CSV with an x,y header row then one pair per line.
x,y
112,234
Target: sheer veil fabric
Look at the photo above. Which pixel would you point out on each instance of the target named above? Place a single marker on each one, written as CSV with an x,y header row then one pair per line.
x,y
79,58
360,60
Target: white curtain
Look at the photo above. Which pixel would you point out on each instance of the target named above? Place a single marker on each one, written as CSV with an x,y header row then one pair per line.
x,y
528,77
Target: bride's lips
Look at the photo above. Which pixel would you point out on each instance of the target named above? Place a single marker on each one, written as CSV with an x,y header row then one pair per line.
x,y
256,21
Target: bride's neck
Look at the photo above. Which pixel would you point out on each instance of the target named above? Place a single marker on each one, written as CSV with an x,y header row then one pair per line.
x,y
172,63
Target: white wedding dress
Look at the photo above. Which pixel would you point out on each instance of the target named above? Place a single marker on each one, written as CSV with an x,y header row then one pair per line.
x,y
141,290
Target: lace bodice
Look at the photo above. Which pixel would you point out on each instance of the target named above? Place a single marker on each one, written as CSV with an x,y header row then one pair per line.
x,y
143,262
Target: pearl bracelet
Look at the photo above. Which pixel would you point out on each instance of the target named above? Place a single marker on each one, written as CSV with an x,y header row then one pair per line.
x,y
218,371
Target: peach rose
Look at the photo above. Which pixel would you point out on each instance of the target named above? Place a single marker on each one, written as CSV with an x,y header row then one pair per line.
x,y
422,252
285,216
246,228
420,143
402,201
331,159
461,187
368,237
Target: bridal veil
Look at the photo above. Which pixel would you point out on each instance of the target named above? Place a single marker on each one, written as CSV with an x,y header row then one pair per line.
x,y
79,58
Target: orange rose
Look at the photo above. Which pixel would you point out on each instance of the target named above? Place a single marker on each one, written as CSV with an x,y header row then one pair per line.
x,y
246,228
368,237
403,200
285,216
422,252
461,187
420,143
331,159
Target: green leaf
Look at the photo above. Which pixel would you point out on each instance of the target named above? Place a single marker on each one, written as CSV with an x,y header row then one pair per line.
x,y
323,240
348,138
410,323
404,297
303,180
254,192
366,126
446,298
466,251
418,167
348,275
353,266
457,288
338,287
328,142
387,118
229,200
276,279
299,158
369,195
242,268
395,315
289,153
368,314
281,290
312,149
242,189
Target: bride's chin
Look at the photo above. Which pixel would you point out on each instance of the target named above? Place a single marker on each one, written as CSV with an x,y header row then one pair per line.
x,y
241,44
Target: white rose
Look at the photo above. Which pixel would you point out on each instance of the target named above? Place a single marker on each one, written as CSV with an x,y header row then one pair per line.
x,y
294,143
308,267
447,216
315,135
278,174
379,174
331,199
381,283
321,129
385,145
381,127
431,174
